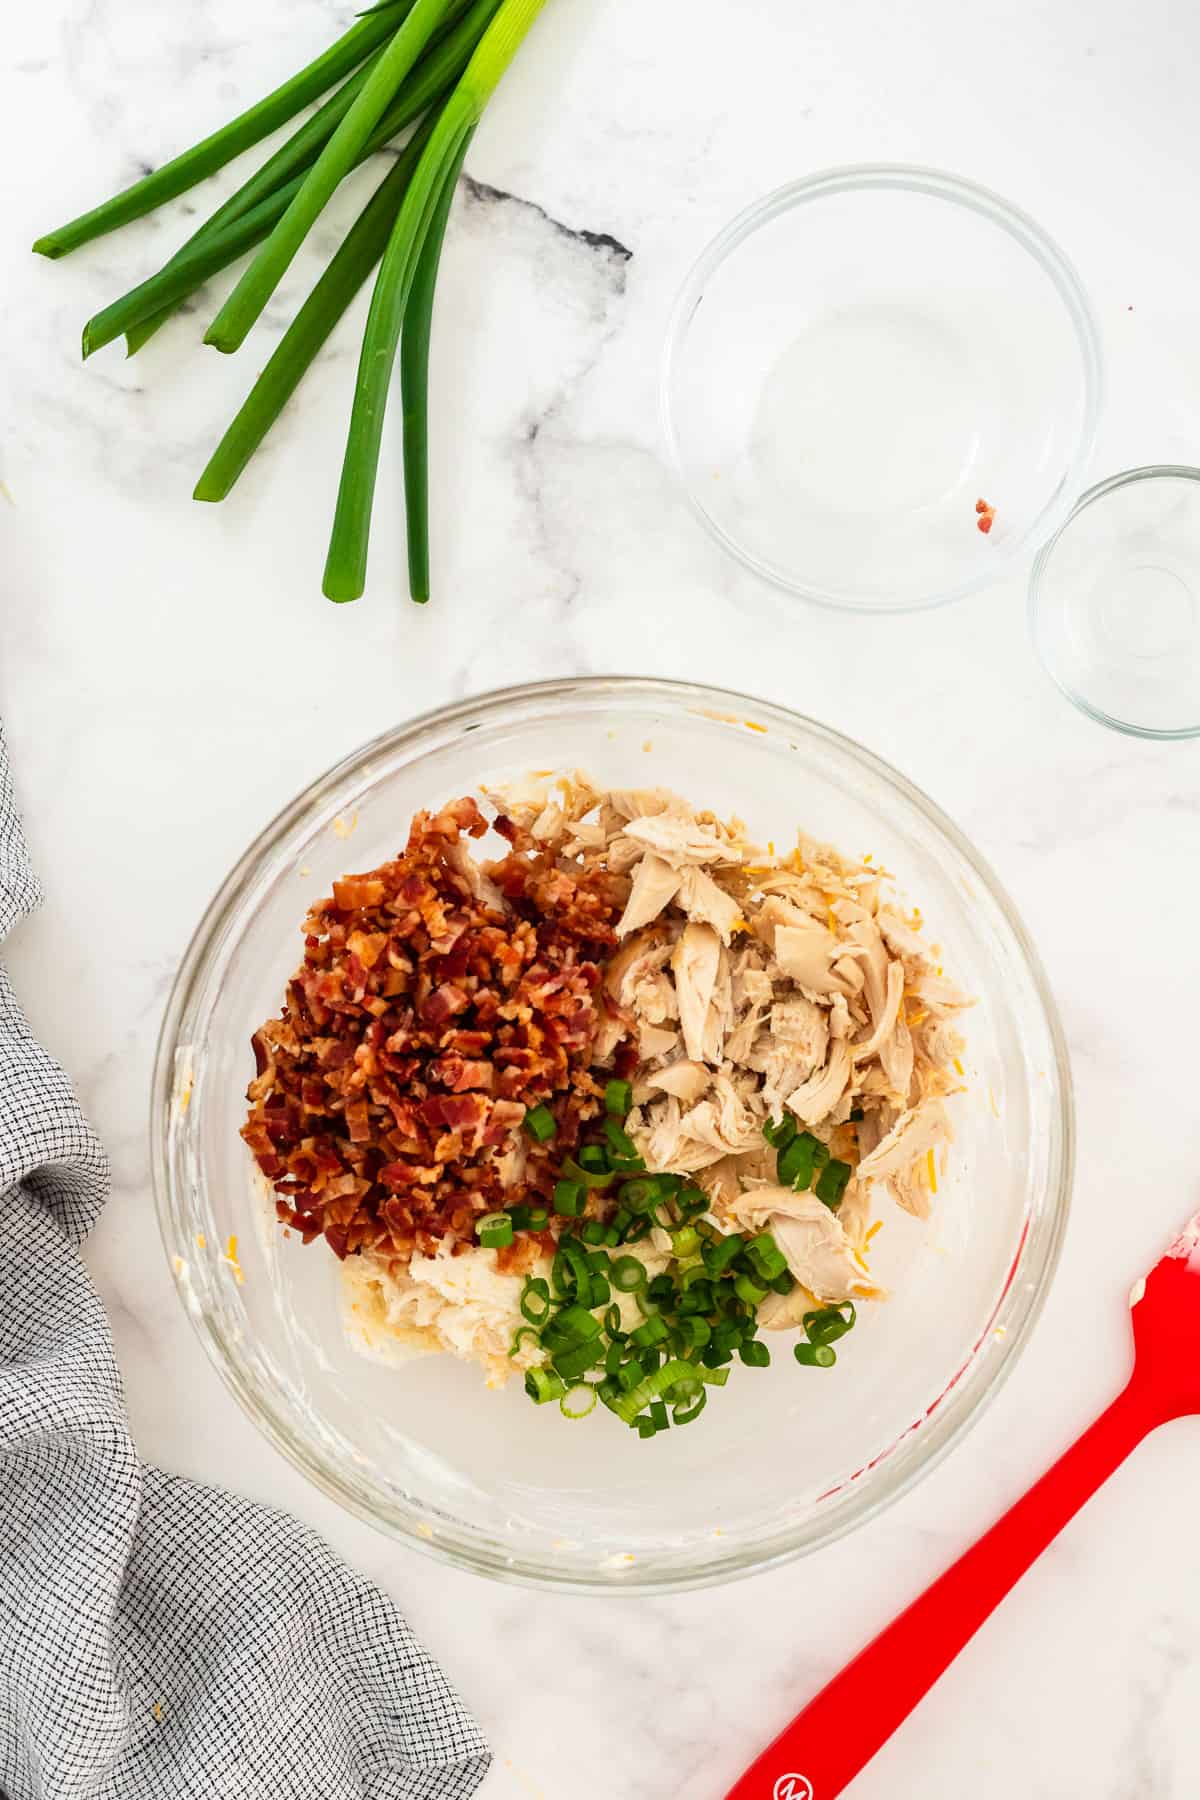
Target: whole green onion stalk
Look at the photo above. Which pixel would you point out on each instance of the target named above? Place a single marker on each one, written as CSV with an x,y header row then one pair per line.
x,y
346,565
341,153
429,63
249,128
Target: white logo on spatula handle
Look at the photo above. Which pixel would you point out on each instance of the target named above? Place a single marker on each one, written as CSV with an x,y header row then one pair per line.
x,y
793,1787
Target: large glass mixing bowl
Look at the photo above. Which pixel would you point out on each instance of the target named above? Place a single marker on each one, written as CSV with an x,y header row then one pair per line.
x,y
790,1457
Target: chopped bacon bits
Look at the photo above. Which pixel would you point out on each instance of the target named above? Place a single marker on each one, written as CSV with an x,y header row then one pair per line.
x,y
987,516
423,1021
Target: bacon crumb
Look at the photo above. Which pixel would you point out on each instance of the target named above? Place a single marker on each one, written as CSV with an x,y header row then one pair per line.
x,y
987,516
432,1008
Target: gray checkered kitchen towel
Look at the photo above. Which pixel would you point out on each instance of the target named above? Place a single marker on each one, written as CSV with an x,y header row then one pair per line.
x,y
160,1640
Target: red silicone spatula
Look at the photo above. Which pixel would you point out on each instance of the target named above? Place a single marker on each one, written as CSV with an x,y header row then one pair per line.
x,y
836,1735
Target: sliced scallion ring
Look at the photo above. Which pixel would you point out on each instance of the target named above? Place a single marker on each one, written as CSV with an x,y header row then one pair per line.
x,y
578,1401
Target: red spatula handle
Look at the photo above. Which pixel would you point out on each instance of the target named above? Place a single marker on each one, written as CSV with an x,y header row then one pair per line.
x,y
839,1732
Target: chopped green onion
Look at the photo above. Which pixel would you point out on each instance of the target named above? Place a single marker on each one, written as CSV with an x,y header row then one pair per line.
x,y
692,1201
831,1183
796,1161
766,1256
588,1178
612,1237
568,1198
748,1290
520,1216
714,1377
619,1140
599,1291
783,1283
594,1158
780,1132
614,1356
629,1375
628,1274
539,1218
815,1356
695,1331
651,1389
684,1413
576,1361
720,1255
728,1335
639,1194
543,1385
573,1323
523,1332
540,1123
830,1323
535,1289
593,1232
686,1242
820,1154
612,1324
658,1413
652,1332
754,1355
618,1098
646,1428
661,1289
712,1356
578,1401
494,1231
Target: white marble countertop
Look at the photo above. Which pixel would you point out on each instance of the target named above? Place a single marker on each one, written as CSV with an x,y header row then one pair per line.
x,y
170,675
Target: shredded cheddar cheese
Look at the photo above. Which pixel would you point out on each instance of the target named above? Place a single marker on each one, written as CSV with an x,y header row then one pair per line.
x,y
875,1229
931,1163
201,1241
343,829
753,725
231,1257
958,1068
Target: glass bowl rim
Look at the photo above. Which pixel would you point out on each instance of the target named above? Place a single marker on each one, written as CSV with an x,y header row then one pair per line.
x,y
1019,1305
1037,604
938,184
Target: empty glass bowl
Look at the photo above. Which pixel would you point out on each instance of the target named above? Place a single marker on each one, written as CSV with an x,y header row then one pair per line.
x,y
1114,603
790,1457
858,360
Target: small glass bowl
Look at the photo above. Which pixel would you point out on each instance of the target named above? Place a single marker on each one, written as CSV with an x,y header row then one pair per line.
x,y
486,1480
860,358
1114,603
